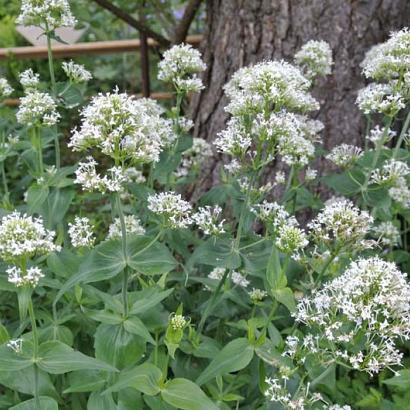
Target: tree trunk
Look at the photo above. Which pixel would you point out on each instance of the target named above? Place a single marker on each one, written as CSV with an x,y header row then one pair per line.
x,y
242,32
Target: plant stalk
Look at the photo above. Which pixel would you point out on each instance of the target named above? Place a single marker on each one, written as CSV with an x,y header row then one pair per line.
x,y
35,351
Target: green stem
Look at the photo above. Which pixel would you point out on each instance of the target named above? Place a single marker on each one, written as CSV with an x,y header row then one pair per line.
x,y
35,351
124,252
4,178
324,269
54,92
402,135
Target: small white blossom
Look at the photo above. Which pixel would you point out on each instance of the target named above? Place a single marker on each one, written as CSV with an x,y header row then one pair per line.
x,y
132,227
180,66
315,59
216,273
30,278
208,220
24,236
5,88
291,240
177,322
36,109
380,135
173,210
387,233
239,279
280,178
81,233
29,80
344,155
47,14
390,173
135,175
193,157
400,193
16,345
257,295
76,72
311,174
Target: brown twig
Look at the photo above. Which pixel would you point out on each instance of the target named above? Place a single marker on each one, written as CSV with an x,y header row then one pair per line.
x,y
140,26
182,28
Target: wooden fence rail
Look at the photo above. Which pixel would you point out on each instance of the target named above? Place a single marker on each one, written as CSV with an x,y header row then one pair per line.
x,y
90,48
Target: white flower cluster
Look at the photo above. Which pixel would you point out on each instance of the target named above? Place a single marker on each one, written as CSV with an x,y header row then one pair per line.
x,y
390,173
341,225
277,391
16,345
5,88
387,233
344,155
47,14
22,236
30,278
87,176
380,98
76,72
379,136
132,227
208,220
134,174
81,233
237,278
193,157
257,295
400,193
315,59
29,80
358,317
291,240
36,109
123,128
180,66
177,322
173,210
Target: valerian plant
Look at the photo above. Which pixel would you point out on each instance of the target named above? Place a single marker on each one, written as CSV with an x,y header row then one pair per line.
x,y
119,291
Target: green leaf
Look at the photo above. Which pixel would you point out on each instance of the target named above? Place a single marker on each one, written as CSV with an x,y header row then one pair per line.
x,y
36,195
402,380
97,401
104,262
145,378
46,403
286,297
215,253
274,274
58,358
136,326
186,395
12,361
23,296
57,205
85,381
4,334
235,356
149,298
344,184
148,259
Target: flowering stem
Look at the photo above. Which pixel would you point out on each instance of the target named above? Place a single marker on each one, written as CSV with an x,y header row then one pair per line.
x,y
4,179
54,92
324,269
402,134
35,351
124,251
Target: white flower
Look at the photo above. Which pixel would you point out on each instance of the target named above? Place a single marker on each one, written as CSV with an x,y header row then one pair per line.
x,y
311,174
47,14
216,273
16,345
5,88
123,128
19,279
379,98
180,66
370,300
193,157
280,178
239,279
273,215
173,210
177,322
207,219
400,193
390,173
81,233
344,155
257,295
273,83
87,176
22,236
36,109
291,240
132,227
387,233
340,223
315,59
135,175
76,72
380,135
29,80
234,140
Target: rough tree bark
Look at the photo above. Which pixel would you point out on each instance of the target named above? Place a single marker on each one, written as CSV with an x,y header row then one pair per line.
x,y
242,32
